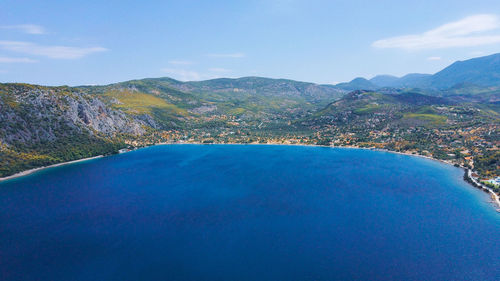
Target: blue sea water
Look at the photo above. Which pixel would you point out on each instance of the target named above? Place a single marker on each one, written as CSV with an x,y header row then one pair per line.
x,y
248,212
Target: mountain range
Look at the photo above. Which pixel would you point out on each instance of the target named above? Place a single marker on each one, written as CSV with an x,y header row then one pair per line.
x,y
481,72
42,125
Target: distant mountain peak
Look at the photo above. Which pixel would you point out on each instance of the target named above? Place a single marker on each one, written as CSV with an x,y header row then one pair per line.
x,y
482,71
358,83
384,80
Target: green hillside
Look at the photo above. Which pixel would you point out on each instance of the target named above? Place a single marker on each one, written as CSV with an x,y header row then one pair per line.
x,y
46,125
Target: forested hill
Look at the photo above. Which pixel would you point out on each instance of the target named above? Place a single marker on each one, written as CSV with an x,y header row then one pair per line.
x,y
45,125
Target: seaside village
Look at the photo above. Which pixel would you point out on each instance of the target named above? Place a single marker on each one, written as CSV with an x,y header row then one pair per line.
x,y
461,147
494,181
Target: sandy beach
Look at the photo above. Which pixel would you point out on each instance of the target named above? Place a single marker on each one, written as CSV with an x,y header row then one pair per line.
x,y
31,171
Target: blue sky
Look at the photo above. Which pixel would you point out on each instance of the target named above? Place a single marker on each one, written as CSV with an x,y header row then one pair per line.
x,y
91,42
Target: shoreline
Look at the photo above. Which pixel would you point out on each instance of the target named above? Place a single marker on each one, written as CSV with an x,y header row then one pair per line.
x,y
495,198
31,171
317,145
468,178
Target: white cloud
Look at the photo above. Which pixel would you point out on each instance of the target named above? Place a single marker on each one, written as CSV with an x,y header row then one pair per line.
x,y
180,62
26,28
466,32
16,60
53,52
231,56
219,70
182,74
434,58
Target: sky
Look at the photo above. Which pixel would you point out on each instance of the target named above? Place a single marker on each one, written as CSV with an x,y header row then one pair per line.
x,y
101,42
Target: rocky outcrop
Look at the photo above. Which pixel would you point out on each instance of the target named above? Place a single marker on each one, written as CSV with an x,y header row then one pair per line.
x,y
33,114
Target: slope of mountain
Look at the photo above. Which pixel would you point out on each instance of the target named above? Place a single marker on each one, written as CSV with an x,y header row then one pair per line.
x,y
466,92
414,80
439,127
384,80
482,71
46,125
224,88
357,84
360,105
247,95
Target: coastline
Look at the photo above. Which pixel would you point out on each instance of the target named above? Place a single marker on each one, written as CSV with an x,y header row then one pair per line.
x,y
467,172
468,178
31,171
316,145
495,198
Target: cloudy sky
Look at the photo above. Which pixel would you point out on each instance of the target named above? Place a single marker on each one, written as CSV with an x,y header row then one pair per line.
x,y
90,42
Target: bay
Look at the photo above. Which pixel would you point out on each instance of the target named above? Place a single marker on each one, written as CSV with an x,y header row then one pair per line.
x,y
248,212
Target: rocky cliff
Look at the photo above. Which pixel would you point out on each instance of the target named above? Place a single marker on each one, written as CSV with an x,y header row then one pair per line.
x,y
32,114
46,125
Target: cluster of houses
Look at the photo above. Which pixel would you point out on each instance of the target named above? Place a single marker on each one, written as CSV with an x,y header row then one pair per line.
x,y
495,181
